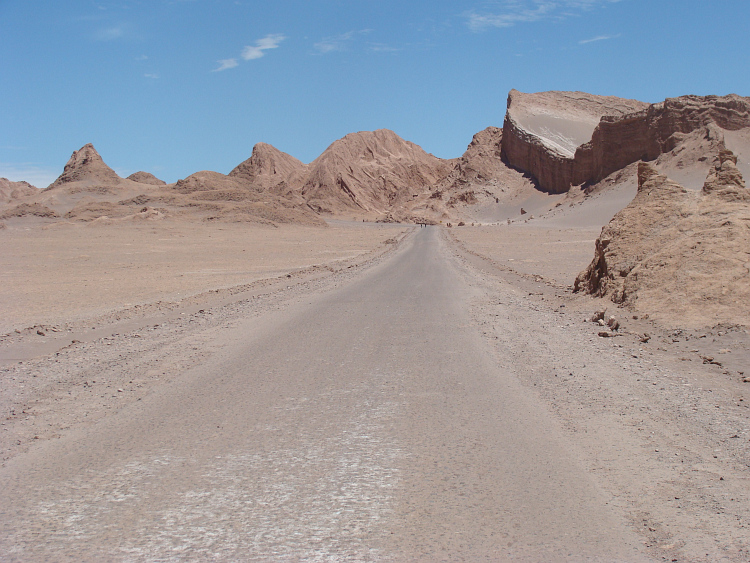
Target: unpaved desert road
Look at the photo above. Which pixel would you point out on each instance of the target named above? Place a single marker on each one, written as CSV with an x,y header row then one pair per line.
x,y
366,423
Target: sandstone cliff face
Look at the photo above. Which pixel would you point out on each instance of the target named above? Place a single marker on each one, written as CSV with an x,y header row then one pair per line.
x,y
678,255
619,138
370,171
542,131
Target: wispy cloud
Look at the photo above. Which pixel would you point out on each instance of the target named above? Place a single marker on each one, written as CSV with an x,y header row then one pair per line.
x,y
252,52
225,64
599,38
334,43
151,75
383,48
110,33
513,12
340,42
257,51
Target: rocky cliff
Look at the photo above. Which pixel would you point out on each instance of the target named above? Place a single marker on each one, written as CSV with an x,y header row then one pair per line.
x,y
541,129
542,132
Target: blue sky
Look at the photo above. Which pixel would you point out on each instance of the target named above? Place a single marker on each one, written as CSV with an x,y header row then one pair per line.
x,y
177,86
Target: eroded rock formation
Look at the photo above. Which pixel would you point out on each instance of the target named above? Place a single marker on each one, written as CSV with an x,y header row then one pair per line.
x,y
679,255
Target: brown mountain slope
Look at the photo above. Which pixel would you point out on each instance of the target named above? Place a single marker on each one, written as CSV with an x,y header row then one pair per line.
x,y
681,256
214,196
268,167
371,172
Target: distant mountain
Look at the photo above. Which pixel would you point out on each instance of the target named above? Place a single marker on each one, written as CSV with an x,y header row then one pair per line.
x,y
370,171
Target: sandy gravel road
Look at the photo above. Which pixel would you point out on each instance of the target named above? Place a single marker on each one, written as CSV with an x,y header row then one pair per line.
x,y
368,422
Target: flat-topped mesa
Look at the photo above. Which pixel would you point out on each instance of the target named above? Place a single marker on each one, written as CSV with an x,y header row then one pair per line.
x,y
540,130
85,165
370,171
268,167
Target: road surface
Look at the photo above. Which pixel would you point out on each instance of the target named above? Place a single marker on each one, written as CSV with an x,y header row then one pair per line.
x,y
369,423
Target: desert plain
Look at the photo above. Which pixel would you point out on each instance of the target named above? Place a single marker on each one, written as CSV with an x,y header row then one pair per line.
x,y
457,360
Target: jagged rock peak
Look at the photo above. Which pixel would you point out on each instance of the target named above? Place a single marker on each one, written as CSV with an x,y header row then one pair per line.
x,y
268,161
86,164
486,141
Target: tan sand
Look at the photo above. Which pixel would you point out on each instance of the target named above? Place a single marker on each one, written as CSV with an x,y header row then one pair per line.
x,y
69,271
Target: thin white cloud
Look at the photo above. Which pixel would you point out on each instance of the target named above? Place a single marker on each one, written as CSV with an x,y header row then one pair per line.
x,y
341,42
334,43
383,48
110,33
256,51
151,75
252,52
599,38
225,64
527,11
